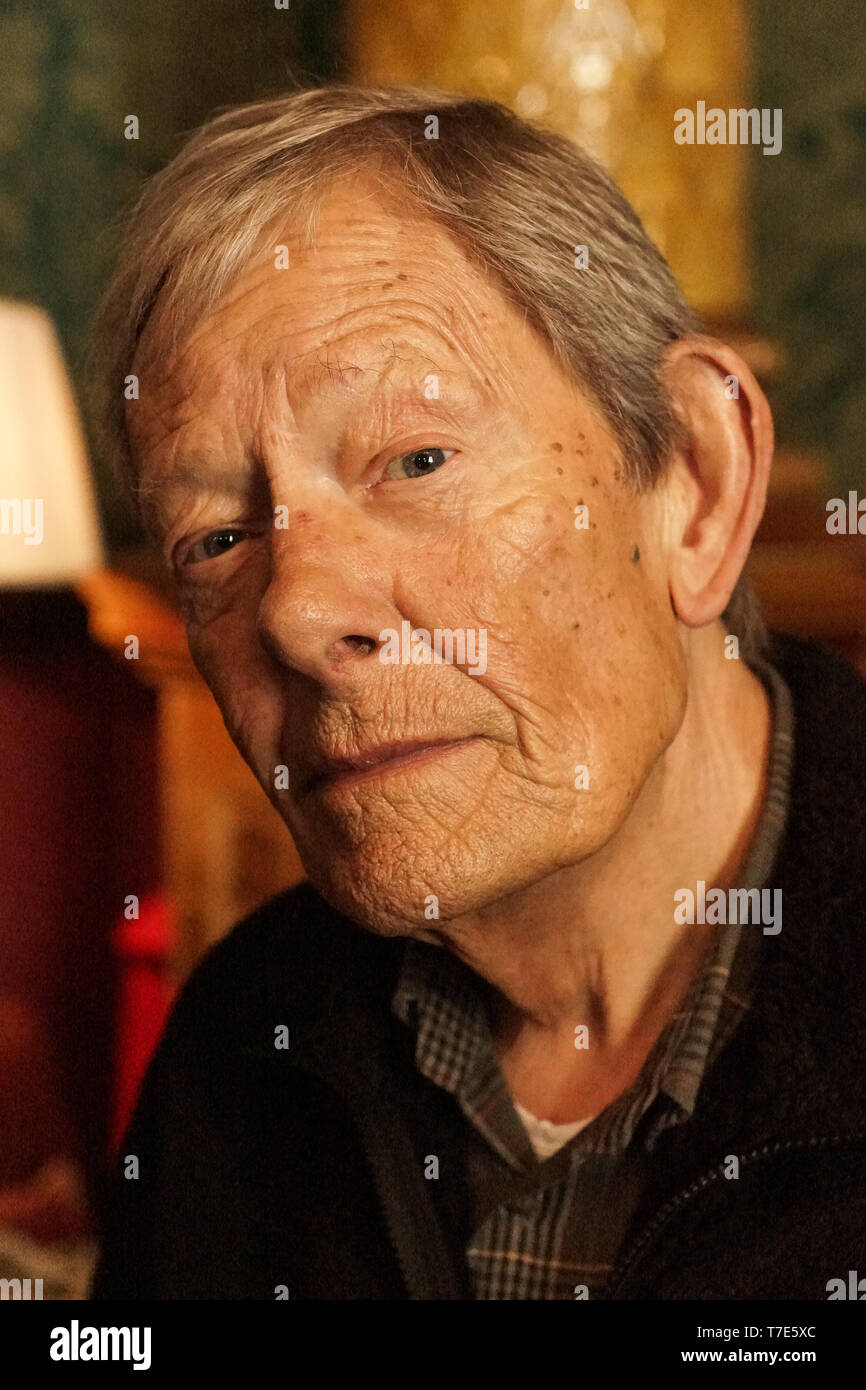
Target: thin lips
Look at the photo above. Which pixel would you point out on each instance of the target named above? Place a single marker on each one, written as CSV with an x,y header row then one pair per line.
x,y
372,757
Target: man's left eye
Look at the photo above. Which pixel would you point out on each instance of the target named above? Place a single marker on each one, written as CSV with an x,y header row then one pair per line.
x,y
217,543
418,463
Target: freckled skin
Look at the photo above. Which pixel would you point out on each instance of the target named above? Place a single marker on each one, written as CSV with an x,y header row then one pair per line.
x,y
585,664
487,541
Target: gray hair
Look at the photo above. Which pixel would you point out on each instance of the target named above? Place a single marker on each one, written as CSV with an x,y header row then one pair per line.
x,y
518,199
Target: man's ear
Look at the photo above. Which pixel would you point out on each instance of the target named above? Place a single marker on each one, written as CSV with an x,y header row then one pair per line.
x,y
716,486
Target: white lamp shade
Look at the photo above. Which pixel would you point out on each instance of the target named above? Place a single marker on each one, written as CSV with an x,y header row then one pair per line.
x,y
49,522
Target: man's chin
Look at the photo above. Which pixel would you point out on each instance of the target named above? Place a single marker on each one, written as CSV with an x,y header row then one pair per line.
x,y
408,884
389,907
383,913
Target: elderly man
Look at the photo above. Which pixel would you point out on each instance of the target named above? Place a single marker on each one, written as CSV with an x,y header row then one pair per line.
x,y
458,498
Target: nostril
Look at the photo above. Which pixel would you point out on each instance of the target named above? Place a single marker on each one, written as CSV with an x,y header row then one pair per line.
x,y
355,645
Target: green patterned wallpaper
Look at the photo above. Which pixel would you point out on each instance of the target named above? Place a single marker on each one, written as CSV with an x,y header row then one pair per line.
x,y
810,224
70,71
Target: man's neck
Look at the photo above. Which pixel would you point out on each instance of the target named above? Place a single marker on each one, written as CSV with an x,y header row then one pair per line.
x,y
596,944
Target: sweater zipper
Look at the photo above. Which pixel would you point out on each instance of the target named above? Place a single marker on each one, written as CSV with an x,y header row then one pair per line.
x,y
639,1246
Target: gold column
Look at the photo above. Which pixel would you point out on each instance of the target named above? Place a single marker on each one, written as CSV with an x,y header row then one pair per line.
x,y
610,76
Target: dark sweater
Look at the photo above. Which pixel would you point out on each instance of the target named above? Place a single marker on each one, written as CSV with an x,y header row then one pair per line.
x,y
263,1167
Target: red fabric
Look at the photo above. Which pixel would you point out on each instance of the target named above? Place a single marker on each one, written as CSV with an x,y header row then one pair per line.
x,y
142,948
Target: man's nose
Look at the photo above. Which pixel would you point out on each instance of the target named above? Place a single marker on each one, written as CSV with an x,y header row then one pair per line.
x,y
329,597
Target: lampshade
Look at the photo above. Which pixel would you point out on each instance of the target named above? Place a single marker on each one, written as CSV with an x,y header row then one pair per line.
x,y
49,524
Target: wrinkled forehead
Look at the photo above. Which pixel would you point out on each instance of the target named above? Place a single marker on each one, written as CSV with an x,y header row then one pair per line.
x,y
380,293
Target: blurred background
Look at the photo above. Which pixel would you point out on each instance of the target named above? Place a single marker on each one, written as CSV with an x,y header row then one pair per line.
x,y
131,834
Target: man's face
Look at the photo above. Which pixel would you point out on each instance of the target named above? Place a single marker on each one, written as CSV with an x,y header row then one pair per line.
x,y
422,456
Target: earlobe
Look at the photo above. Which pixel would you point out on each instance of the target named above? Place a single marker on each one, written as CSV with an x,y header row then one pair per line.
x,y
722,467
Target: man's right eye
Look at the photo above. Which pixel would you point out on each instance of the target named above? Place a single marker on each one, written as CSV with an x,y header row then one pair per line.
x,y
213,545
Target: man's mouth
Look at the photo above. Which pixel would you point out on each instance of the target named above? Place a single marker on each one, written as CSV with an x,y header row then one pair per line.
x,y
380,761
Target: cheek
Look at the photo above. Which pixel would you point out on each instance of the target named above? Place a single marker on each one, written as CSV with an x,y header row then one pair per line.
x,y
629,681
526,577
242,681
582,646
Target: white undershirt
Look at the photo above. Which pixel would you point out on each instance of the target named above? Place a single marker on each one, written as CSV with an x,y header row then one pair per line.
x,y
546,1137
